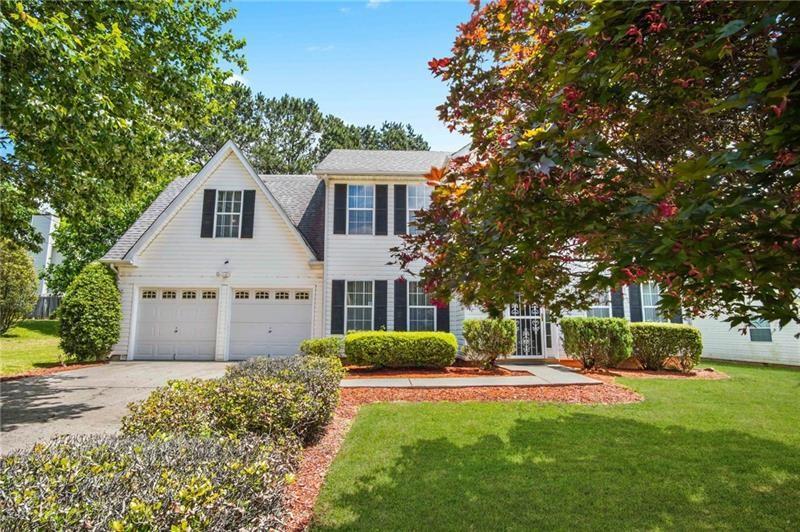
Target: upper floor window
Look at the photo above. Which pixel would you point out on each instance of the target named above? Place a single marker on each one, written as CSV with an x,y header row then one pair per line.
x,y
651,296
358,306
419,197
601,308
228,214
360,209
421,311
760,331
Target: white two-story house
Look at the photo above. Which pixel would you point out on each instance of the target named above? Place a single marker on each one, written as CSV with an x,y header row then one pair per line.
x,y
228,264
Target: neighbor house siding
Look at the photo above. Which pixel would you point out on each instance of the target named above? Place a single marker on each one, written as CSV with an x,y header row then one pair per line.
x,y
178,256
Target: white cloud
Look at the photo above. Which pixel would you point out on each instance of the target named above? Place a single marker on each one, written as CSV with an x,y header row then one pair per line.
x,y
374,4
318,48
344,10
234,78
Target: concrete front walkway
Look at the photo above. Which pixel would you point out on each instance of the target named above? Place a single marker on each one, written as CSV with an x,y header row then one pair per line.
x,y
540,375
85,400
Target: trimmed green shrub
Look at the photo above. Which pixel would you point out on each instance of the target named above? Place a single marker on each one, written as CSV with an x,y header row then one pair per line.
x,y
90,313
332,346
655,343
18,285
105,482
320,376
488,339
252,404
400,349
597,342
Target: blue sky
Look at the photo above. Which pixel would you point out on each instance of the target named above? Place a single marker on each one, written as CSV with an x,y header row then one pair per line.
x,y
364,62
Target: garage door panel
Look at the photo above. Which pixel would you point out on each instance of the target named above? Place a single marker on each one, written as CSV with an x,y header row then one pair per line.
x,y
268,327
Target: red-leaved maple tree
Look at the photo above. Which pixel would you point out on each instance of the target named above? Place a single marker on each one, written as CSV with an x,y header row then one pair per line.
x,y
615,143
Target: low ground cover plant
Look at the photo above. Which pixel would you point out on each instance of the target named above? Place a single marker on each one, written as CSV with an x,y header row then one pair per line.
x,y
597,342
105,482
90,313
332,346
392,349
656,343
488,339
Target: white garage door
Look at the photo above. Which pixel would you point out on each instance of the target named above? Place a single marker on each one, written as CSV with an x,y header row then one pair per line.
x,y
269,322
176,324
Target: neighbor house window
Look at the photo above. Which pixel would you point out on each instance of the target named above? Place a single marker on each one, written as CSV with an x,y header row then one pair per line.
x,y
419,197
360,205
421,312
358,306
651,295
601,308
760,331
228,213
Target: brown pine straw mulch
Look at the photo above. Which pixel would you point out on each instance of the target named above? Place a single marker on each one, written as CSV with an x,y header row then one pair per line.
x,y
40,372
317,458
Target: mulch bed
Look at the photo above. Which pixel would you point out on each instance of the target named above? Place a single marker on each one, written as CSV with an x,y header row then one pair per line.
x,y
317,458
368,372
706,374
39,372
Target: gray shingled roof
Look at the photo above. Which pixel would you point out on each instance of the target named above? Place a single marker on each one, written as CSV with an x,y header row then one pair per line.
x,y
380,162
302,198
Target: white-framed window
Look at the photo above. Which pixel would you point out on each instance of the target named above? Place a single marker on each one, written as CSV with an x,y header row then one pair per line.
x,y
262,294
601,308
760,331
242,294
360,209
651,295
421,312
358,305
188,294
281,295
169,294
418,197
209,294
228,214
301,295
148,294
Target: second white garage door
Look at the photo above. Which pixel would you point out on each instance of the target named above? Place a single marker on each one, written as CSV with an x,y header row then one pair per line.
x,y
269,322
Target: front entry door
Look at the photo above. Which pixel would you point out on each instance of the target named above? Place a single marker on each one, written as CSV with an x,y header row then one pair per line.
x,y
529,328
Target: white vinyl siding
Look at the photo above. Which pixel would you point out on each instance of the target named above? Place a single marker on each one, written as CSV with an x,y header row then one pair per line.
x,y
360,209
651,296
358,306
602,306
228,214
418,197
421,312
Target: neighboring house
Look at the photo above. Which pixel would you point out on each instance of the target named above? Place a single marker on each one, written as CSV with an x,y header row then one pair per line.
x,y
45,224
228,264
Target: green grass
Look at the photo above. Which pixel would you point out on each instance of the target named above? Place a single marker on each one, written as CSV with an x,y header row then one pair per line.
x,y
32,344
714,455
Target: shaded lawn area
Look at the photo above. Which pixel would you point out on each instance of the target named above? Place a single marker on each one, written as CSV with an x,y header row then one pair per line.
x,y
30,345
694,455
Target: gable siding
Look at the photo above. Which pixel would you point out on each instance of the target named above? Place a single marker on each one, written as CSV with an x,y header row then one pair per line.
x,y
178,256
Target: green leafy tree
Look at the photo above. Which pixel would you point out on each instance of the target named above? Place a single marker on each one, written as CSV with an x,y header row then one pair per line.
x,y
90,313
615,143
290,131
93,94
18,284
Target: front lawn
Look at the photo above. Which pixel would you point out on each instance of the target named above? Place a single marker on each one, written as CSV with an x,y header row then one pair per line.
x,y
694,455
32,344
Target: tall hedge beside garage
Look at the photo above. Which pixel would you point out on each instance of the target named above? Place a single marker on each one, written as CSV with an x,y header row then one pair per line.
x,y
597,342
90,313
392,349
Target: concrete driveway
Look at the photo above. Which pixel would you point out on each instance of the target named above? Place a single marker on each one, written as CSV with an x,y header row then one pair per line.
x,y
85,400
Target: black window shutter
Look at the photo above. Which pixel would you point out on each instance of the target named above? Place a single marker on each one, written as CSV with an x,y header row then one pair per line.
x,y
207,223
380,305
617,306
399,209
337,307
381,209
443,318
248,208
339,209
400,304
635,296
